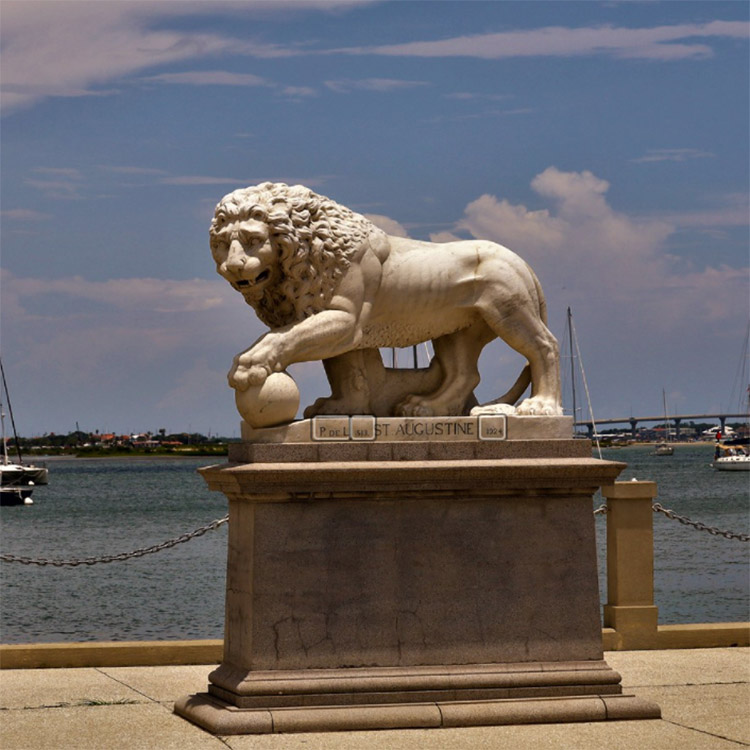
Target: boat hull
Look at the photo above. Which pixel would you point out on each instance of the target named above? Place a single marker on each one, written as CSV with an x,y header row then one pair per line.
x,y
15,495
732,463
19,475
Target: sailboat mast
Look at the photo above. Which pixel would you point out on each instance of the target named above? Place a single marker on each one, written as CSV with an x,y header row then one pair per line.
x,y
10,412
666,418
572,365
5,442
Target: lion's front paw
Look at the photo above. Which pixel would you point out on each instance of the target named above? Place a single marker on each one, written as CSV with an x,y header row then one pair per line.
x,y
414,406
241,378
537,406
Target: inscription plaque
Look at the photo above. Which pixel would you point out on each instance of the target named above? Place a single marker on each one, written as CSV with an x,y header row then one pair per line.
x,y
386,429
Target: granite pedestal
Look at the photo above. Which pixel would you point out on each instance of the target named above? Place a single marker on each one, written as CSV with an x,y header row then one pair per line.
x,y
411,580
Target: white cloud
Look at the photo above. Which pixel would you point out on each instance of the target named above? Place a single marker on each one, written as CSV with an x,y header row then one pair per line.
x,y
25,214
299,92
157,296
208,78
672,154
199,180
737,217
582,222
513,225
444,237
57,189
479,115
733,211
472,96
388,225
131,170
657,43
69,172
585,250
70,48
383,85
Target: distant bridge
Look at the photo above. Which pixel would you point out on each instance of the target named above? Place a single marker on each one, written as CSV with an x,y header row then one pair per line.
x,y
677,420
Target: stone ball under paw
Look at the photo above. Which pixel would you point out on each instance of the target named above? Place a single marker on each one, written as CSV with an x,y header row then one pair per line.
x,y
273,403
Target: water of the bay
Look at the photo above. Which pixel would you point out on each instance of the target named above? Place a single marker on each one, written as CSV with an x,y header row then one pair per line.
x,y
96,507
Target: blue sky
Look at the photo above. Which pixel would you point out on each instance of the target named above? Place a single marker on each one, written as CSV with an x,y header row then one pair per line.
x,y
606,143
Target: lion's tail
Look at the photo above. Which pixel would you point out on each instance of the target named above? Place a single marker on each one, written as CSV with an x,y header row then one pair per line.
x,y
517,389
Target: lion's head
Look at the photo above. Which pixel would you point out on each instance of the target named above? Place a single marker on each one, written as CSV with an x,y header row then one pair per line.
x,y
298,242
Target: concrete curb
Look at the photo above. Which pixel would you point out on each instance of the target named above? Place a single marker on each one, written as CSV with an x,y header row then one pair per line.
x,y
699,635
177,653
105,654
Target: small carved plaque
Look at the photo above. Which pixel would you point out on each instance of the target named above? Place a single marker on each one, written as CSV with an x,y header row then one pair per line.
x,y
362,428
492,427
330,428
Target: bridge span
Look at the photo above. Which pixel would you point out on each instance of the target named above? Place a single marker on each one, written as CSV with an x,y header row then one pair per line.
x,y
677,420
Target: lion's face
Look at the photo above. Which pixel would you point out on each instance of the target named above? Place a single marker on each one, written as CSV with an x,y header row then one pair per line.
x,y
245,256
284,248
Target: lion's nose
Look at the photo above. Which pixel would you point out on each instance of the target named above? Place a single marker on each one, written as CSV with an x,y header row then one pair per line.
x,y
236,257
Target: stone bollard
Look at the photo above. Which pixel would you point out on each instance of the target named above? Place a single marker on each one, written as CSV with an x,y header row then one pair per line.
x,y
630,608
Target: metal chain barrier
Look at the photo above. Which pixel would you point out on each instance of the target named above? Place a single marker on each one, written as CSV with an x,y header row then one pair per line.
x,y
602,509
123,555
658,508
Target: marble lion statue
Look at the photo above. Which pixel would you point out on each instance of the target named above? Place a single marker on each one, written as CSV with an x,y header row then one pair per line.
x,y
331,286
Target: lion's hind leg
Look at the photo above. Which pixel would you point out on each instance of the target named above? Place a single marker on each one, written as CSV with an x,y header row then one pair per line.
x,y
348,375
522,328
457,354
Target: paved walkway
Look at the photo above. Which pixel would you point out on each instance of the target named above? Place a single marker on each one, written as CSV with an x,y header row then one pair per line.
x,y
704,695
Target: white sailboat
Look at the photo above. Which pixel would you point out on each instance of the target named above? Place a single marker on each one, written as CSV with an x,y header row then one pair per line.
x,y
729,458
17,479
734,453
664,448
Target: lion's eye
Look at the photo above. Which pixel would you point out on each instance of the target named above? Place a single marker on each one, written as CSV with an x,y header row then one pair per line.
x,y
219,247
249,238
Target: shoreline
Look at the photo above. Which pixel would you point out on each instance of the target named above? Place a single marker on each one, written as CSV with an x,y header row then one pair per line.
x,y
121,456
681,444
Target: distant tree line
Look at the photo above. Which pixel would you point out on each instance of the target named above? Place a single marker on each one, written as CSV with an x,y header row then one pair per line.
x,y
95,443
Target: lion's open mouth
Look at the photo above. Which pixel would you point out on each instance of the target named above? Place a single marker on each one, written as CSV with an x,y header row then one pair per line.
x,y
246,284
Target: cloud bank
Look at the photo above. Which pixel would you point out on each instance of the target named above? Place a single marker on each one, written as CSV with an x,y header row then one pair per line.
x,y
658,43
585,250
74,49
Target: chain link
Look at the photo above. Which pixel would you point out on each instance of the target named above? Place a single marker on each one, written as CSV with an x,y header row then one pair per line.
x,y
602,509
123,555
658,508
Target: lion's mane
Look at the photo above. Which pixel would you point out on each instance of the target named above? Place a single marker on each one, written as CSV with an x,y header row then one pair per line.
x,y
315,238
